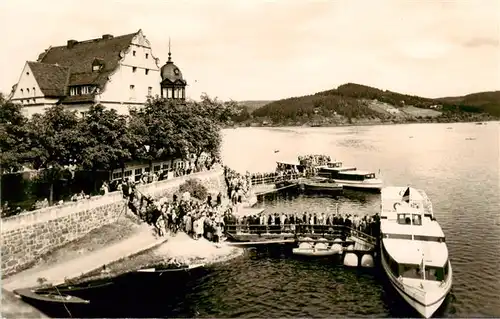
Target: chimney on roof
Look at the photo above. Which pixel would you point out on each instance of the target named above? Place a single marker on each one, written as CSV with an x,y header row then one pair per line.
x,y
107,36
71,43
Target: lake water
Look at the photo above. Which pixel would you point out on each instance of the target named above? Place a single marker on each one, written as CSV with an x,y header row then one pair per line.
x,y
456,164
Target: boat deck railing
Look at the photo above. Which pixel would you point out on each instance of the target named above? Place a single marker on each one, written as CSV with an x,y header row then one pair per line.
x,y
415,292
300,230
426,203
272,178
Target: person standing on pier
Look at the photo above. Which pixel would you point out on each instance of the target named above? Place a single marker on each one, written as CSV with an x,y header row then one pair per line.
x,y
219,199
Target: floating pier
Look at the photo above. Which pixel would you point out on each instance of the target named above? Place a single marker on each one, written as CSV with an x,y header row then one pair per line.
x,y
358,249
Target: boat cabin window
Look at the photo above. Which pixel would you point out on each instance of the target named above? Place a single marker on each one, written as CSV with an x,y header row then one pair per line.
x,y
351,177
435,273
417,219
334,165
431,273
409,219
410,271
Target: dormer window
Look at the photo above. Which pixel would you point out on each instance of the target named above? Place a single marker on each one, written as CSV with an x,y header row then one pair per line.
x,y
97,65
133,53
27,73
147,55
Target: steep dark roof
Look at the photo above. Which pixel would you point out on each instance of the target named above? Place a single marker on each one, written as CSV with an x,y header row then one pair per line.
x,y
81,56
51,78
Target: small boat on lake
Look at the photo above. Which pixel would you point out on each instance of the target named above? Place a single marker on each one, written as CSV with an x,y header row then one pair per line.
x,y
350,176
83,290
55,304
54,297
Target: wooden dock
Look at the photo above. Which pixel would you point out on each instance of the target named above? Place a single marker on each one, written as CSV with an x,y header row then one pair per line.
x,y
263,234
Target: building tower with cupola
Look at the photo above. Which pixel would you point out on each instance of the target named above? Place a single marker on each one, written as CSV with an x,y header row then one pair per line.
x,y
173,86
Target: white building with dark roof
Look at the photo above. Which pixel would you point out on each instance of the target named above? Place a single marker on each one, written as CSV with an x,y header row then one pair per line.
x,y
118,72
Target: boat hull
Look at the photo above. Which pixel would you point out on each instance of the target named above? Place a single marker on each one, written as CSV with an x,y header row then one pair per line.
x,y
359,185
323,187
426,310
53,307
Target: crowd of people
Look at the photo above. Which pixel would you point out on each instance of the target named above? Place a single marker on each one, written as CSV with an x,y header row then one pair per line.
x,y
194,217
304,222
314,160
238,185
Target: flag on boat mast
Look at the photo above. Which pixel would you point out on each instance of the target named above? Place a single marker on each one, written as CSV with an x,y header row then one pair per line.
x,y
422,265
406,195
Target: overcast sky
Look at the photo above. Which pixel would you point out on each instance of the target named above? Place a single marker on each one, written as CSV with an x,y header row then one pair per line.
x,y
264,50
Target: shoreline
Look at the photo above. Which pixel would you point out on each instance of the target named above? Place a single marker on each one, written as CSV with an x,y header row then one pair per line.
x,y
331,125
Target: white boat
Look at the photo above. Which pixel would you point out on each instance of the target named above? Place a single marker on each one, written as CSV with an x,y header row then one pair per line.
x,y
350,176
414,254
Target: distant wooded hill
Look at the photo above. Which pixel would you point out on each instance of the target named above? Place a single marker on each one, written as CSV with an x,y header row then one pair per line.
x,y
356,103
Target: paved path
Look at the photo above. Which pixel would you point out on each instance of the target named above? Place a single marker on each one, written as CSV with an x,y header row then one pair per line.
x,y
57,273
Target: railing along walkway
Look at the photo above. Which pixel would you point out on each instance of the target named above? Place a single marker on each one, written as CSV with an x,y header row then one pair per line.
x,y
274,178
299,230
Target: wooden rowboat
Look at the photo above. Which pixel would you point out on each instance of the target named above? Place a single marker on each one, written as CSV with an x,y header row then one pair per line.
x,y
30,294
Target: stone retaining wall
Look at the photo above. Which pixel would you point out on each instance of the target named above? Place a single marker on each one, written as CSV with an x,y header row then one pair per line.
x,y
28,236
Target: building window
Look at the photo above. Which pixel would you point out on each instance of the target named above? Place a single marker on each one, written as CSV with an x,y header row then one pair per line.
x,y
147,55
22,91
34,92
134,68
34,100
27,73
96,67
133,53
86,90
149,91
132,92
146,71
28,90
